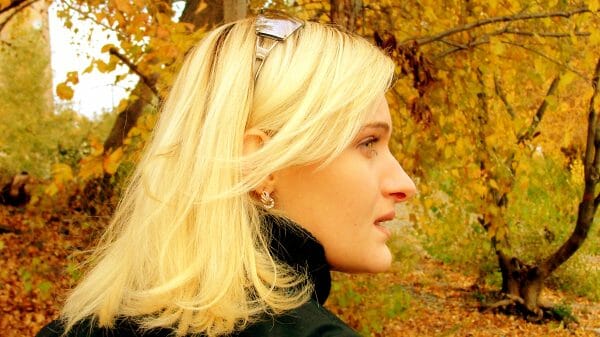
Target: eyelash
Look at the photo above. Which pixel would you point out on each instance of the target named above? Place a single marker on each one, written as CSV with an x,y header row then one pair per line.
x,y
368,145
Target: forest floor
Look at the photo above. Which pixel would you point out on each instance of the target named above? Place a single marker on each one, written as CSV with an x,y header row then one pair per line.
x,y
423,298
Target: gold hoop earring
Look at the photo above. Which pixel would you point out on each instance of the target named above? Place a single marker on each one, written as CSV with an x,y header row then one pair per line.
x,y
267,200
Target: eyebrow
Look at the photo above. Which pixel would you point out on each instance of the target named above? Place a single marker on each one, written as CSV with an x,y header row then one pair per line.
x,y
376,125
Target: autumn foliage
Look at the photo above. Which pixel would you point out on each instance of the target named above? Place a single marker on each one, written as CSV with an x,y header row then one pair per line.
x,y
495,113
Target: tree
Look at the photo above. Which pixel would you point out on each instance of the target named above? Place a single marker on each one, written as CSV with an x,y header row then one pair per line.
x,y
464,128
25,95
481,80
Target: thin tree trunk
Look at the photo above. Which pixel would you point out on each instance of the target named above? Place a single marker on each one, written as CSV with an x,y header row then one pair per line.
x,y
523,283
209,16
345,12
234,10
589,200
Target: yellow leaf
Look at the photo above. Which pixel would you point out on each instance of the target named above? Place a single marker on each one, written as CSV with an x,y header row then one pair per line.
x,y
497,47
106,47
122,105
51,189
90,167
493,184
73,77
428,203
100,16
96,147
150,121
135,131
448,152
4,3
440,143
593,5
566,79
62,173
479,189
551,100
595,37
112,161
123,6
64,91
102,66
201,6
89,68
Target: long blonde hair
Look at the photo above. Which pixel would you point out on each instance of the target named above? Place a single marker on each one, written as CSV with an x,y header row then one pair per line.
x,y
186,248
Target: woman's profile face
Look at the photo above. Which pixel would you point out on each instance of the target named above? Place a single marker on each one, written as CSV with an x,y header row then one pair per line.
x,y
343,203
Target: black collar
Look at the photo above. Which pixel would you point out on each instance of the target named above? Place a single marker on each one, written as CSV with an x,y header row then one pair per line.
x,y
295,246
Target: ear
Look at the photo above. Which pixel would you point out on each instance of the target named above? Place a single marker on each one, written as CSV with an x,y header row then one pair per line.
x,y
253,141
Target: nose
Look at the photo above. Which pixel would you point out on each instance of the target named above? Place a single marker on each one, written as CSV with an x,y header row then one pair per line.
x,y
396,183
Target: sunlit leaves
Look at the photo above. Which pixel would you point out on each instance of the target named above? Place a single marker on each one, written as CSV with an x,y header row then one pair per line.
x,y
64,91
61,174
4,3
92,166
112,161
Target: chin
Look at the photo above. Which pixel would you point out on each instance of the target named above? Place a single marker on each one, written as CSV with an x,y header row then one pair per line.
x,y
381,262
378,263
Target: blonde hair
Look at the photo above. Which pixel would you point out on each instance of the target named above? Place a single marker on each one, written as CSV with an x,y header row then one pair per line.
x,y
186,248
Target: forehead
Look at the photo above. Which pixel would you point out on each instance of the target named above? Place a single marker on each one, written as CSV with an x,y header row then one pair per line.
x,y
379,113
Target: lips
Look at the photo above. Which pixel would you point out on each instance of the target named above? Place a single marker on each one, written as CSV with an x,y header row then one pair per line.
x,y
386,217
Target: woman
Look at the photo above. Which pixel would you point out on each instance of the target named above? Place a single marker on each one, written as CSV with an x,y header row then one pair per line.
x,y
269,166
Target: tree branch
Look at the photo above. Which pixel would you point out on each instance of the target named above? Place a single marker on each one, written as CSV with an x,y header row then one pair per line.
x,y
558,63
537,118
88,16
500,93
11,5
485,39
589,203
148,81
489,21
464,47
543,34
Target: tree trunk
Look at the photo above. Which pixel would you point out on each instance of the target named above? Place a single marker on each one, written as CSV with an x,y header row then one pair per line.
x,y
209,16
100,189
234,10
523,283
590,199
345,12
127,118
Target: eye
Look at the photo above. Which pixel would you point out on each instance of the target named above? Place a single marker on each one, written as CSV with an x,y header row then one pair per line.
x,y
368,146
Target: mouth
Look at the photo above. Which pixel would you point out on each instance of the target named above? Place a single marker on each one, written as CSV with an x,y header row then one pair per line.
x,y
380,223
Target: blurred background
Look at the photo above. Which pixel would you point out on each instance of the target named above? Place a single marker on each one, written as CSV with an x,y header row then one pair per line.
x,y
495,117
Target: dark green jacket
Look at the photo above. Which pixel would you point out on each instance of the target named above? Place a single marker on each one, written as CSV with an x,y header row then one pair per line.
x,y
291,244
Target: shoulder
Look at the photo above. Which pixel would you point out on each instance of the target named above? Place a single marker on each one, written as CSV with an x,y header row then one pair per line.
x,y
87,328
308,320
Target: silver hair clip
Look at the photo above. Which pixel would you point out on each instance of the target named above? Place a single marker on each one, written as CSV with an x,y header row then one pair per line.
x,y
271,28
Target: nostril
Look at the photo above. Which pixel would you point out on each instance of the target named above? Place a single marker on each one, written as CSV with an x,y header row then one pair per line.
x,y
399,195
